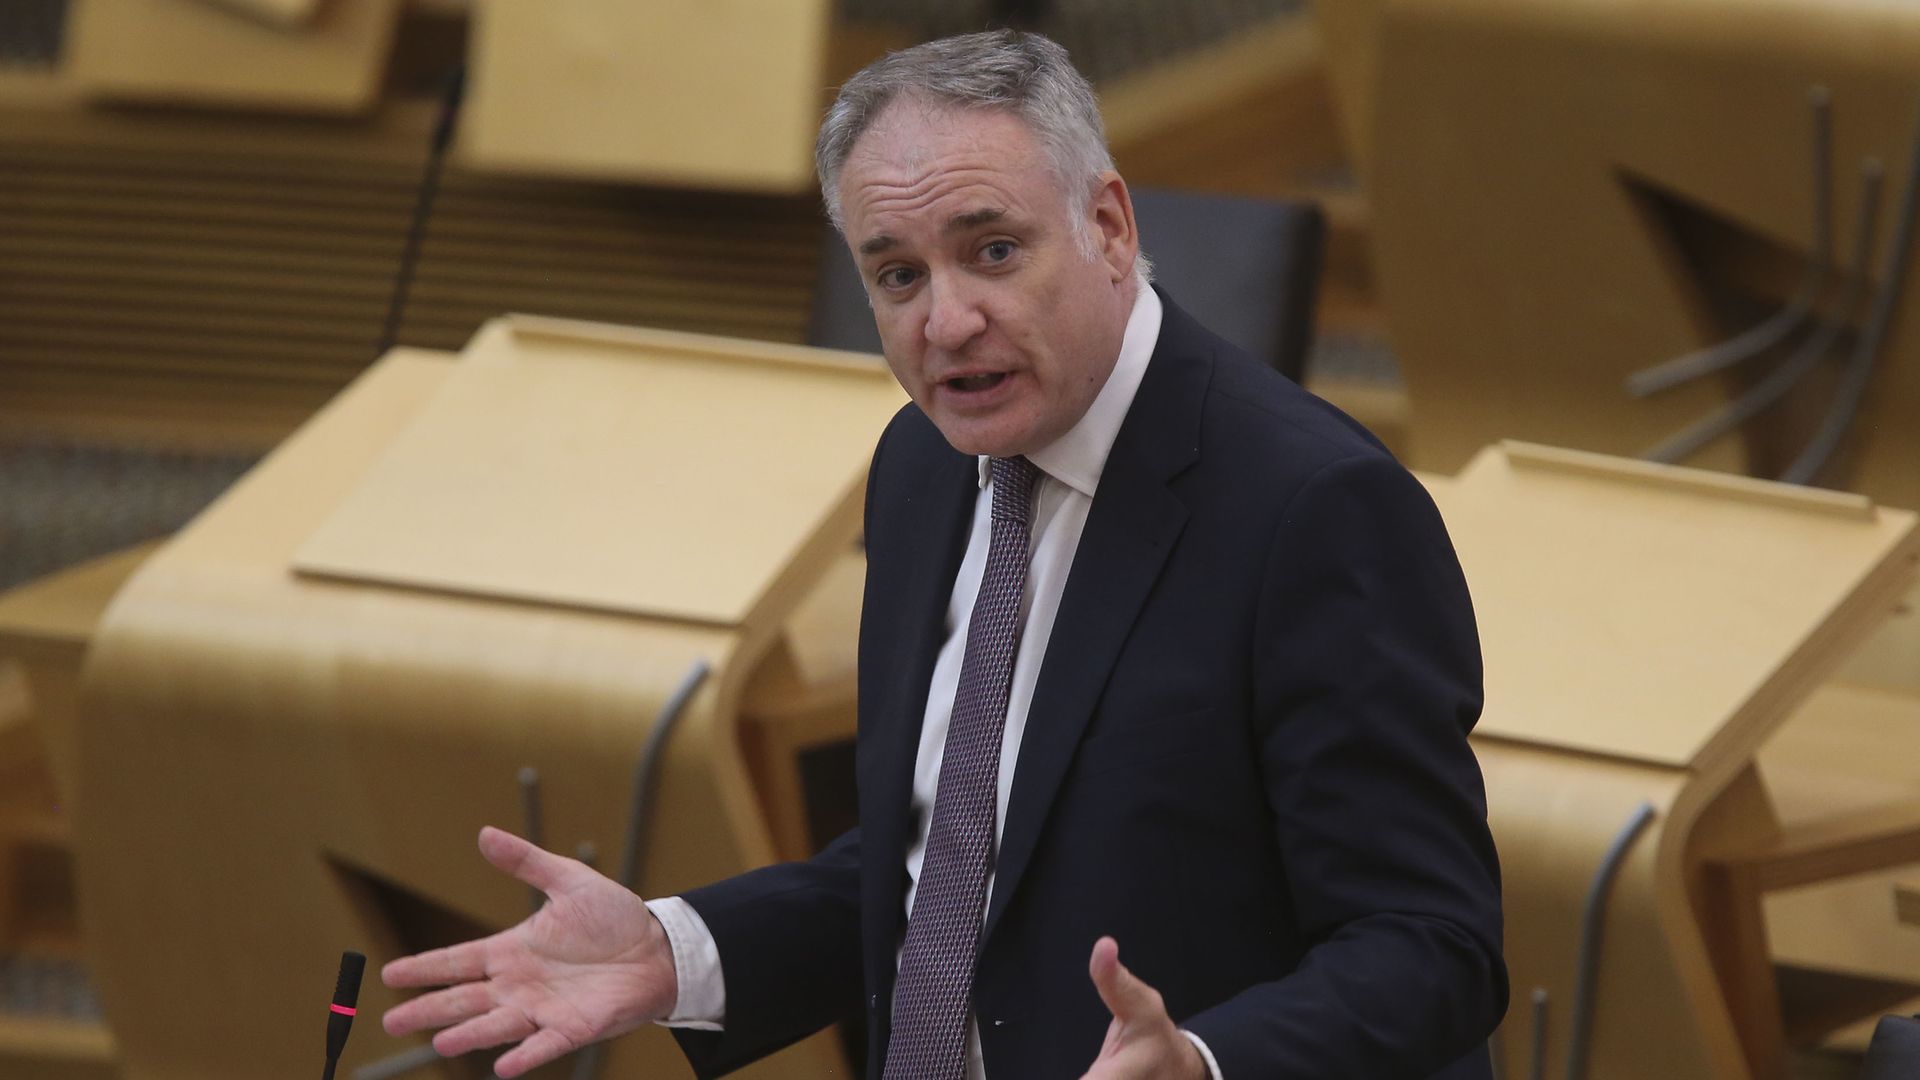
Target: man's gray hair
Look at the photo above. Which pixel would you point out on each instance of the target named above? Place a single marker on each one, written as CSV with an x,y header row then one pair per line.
x,y
1025,74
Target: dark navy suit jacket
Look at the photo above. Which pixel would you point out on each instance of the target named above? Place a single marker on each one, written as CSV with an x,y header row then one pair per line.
x,y
1246,759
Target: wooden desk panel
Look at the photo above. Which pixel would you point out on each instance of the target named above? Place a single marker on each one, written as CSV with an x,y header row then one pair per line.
x,y
192,52
678,92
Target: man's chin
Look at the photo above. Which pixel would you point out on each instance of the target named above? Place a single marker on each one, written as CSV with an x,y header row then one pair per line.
x,y
984,440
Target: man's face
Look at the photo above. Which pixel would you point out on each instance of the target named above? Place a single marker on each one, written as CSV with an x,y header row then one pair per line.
x,y
991,312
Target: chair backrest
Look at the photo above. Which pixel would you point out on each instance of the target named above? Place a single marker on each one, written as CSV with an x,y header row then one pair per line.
x,y
1894,1053
1248,269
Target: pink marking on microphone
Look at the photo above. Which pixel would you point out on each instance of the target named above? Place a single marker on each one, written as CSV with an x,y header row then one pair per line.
x,y
343,1010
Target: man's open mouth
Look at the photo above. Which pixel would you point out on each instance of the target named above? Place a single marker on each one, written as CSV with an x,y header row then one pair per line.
x,y
974,383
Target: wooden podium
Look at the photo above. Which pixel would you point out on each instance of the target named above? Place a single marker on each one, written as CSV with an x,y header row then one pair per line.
x,y
299,711
1651,635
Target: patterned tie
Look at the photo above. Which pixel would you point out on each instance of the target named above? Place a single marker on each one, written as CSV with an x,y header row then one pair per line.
x,y
934,991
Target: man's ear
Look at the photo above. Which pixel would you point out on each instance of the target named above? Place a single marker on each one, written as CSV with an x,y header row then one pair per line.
x,y
1117,238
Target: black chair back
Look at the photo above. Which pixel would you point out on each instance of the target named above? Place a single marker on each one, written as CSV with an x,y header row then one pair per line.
x,y
1894,1053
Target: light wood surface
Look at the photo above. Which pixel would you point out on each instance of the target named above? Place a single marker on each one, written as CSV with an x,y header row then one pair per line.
x,y
1658,1010
1644,635
1248,115
1719,596
1837,845
45,628
1847,754
693,472
1648,194
677,92
215,278
193,52
803,698
1890,659
324,746
36,1048
288,14
1351,31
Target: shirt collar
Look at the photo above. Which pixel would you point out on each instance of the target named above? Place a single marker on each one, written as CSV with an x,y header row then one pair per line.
x,y
1077,458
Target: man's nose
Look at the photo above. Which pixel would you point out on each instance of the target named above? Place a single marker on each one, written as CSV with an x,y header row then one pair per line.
x,y
954,315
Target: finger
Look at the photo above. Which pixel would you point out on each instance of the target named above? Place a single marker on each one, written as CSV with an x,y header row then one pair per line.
x,y
454,964
543,1046
537,867
1126,997
492,1028
438,1009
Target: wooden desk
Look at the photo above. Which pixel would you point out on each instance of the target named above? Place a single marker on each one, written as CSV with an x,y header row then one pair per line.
x,y
326,743
683,93
190,52
1646,629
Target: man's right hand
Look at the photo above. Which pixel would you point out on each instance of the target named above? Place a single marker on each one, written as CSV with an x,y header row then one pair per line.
x,y
592,963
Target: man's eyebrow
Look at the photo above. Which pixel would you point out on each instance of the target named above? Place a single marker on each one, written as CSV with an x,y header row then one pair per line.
x,y
974,219
971,219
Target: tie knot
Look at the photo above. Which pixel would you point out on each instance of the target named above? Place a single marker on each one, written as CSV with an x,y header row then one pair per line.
x,y
1013,480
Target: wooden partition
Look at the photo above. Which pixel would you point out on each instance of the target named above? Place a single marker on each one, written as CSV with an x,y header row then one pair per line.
x,y
301,709
293,55
1647,631
1565,194
686,93
183,277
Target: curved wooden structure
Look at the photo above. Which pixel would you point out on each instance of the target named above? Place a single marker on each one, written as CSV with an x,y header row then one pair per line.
x,y
275,765
1631,660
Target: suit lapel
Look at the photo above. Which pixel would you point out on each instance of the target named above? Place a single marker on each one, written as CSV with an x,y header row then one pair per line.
x,y
1131,529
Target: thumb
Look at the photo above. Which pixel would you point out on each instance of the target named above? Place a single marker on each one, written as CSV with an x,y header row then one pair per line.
x,y
536,866
1126,997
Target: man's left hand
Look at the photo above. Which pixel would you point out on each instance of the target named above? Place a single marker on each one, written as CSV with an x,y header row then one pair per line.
x,y
1141,1041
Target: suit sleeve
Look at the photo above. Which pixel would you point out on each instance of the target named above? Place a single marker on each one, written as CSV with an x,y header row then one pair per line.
x,y
789,941
1368,679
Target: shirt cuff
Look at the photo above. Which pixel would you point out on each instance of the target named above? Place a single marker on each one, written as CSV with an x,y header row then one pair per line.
x,y
701,1002
1206,1055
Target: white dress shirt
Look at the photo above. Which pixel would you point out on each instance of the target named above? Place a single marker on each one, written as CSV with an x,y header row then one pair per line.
x,y
1070,470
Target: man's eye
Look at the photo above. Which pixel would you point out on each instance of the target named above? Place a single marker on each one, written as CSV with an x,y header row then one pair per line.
x,y
896,277
997,252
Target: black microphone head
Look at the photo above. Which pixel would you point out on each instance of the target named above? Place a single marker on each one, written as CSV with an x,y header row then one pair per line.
x,y
346,990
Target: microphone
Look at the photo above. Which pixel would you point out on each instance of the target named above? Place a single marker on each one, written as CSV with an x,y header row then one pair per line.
x,y
346,991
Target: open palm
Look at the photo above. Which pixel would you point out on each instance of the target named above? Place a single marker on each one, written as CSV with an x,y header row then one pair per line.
x,y
590,964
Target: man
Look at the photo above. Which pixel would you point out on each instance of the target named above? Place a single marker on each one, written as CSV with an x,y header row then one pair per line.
x,y
1160,656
